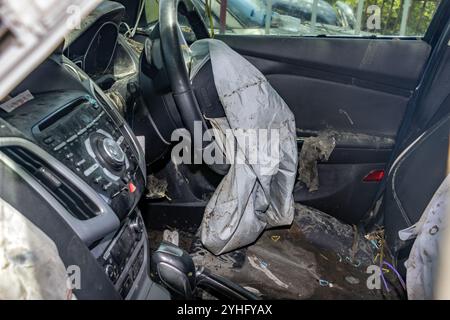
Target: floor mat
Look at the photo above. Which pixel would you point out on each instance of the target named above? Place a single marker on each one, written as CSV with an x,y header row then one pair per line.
x,y
316,258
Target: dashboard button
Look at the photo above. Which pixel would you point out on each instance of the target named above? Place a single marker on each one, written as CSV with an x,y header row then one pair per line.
x,y
98,179
91,169
80,163
131,187
72,138
49,140
81,132
111,272
107,186
126,286
60,146
90,125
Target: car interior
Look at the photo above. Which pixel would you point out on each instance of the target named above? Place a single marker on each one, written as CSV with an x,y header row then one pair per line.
x,y
88,159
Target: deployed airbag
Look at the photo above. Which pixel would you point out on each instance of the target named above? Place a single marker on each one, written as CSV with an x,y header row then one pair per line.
x,y
254,195
422,264
30,266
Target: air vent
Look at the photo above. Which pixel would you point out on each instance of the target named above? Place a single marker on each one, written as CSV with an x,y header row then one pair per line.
x,y
68,195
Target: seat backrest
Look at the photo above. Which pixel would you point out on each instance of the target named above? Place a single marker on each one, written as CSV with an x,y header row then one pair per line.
x,y
413,179
421,158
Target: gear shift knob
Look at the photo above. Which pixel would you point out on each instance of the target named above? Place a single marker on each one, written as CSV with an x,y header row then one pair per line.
x,y
175,269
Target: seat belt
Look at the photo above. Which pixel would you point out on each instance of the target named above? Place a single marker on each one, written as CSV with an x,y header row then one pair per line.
x,y
443,110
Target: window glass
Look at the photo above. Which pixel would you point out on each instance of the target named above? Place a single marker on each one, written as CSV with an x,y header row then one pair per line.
x,y
151,11
319,17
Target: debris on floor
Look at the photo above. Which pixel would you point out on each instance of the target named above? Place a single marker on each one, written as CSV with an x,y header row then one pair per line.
x,y
352,280
275,238
299,264
314,149
376,237
255,291
325,283
157,188
171,237
327,232
291,268
185,239
221,264
391,278
262,266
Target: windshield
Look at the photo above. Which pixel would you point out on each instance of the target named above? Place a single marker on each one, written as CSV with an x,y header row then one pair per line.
x,y
405,18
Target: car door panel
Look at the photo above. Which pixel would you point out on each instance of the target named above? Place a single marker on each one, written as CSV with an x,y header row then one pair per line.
x,y
357,87
321,104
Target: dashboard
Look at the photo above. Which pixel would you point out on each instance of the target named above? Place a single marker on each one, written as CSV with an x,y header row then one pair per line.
x,y
75,155
72,165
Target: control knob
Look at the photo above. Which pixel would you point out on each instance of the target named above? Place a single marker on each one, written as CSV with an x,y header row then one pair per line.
x,y
111,272
137,227
112,153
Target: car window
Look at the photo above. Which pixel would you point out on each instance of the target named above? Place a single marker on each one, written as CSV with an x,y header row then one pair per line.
x,y
151,11
319,17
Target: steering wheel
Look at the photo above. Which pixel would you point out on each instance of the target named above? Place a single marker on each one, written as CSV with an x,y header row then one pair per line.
x,y
172,46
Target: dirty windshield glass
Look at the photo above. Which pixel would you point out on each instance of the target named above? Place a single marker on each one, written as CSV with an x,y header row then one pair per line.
x,y
319,17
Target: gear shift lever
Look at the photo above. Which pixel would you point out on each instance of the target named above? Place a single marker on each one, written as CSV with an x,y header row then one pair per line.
x,y
175,268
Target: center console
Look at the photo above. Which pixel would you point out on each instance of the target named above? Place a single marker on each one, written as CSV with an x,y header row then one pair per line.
x,y
123,259
83,136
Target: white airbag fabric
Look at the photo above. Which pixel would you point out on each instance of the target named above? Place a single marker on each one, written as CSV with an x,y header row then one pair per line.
x,y
30,266
252,196
423,261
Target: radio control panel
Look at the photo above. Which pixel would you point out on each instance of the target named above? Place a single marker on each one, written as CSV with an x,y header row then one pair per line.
x,y
79,132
